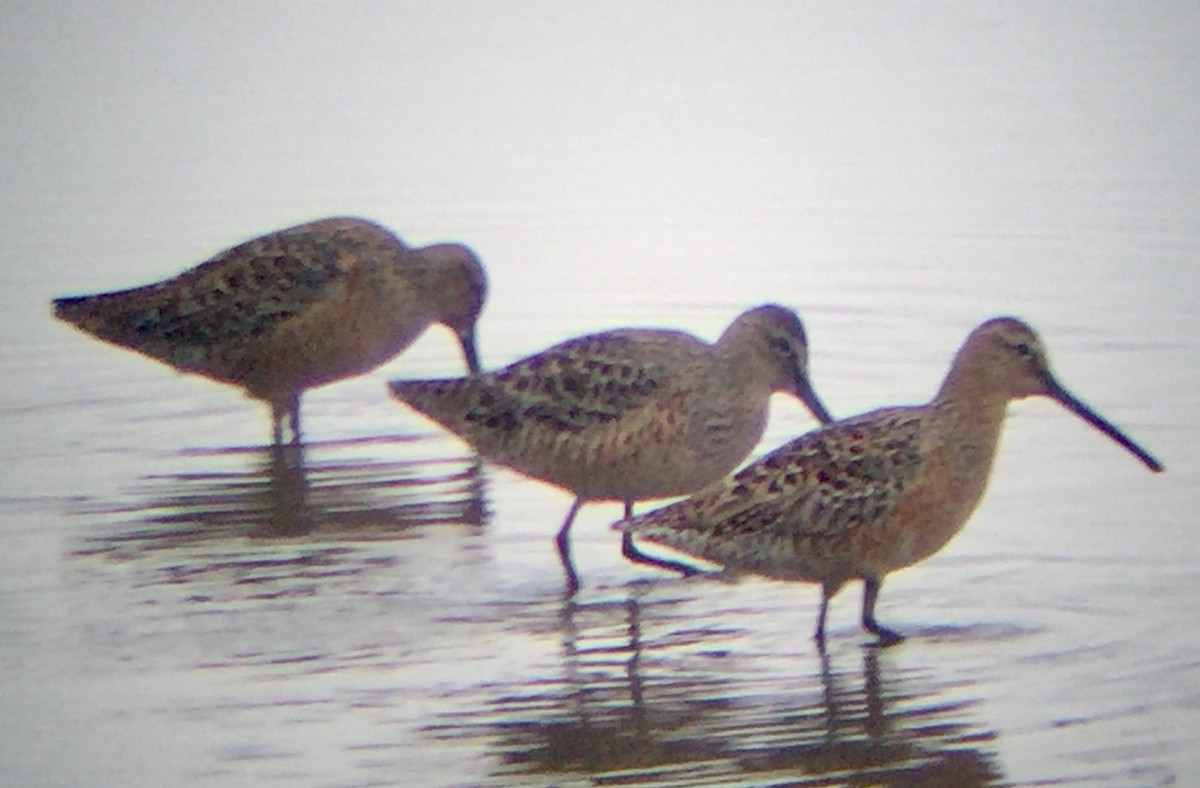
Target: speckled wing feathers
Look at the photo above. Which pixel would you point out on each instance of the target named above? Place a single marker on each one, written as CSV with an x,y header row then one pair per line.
x,y
241,293
592,380
568,388
810,494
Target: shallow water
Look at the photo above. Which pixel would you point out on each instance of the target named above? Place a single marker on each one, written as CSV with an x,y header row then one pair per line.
x,y
182,605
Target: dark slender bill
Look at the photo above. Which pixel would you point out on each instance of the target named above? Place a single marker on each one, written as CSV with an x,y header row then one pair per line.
x,y
467,340
808,396
1081,410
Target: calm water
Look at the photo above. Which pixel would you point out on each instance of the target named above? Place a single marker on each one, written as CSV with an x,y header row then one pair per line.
x,y
180,605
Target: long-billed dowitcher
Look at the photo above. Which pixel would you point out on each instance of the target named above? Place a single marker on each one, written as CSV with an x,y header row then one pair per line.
x,y
628,414
298,308
876,492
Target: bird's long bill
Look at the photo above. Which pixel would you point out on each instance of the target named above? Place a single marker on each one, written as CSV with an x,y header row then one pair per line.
x,y
467,340
1071,403
808,396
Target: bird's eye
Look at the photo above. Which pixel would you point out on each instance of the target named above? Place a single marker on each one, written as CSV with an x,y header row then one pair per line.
x,y
1023,348
780,344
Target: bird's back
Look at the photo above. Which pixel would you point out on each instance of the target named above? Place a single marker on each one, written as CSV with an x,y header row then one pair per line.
x,y
222,318
602,415
817,507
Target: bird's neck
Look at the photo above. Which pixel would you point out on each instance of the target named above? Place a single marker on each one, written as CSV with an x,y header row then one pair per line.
x,y
969,411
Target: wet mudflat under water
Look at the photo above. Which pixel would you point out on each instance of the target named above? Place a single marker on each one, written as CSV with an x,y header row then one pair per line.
x,y
180,604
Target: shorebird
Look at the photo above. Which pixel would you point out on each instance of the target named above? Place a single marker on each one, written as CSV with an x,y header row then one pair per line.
x,y
876,492
628,414
294,309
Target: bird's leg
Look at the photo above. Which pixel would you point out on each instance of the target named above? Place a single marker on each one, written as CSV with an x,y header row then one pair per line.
x,y
287,409
819,633
886,636
293,410
631,551
277,417
563,540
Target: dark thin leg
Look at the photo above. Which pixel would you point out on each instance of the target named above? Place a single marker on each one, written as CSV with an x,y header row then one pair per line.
x,y
563,540
277,415
819,634
886,636
294,418
289,410
296,427
631,551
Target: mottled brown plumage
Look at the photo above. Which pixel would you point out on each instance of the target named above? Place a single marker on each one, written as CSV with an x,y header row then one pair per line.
x,y
876,492
628,414
294,309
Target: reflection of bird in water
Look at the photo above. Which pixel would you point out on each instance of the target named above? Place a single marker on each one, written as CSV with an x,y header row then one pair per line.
x,y
336,501
356,498
628,414
875,492
643,698
294,309
872,736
